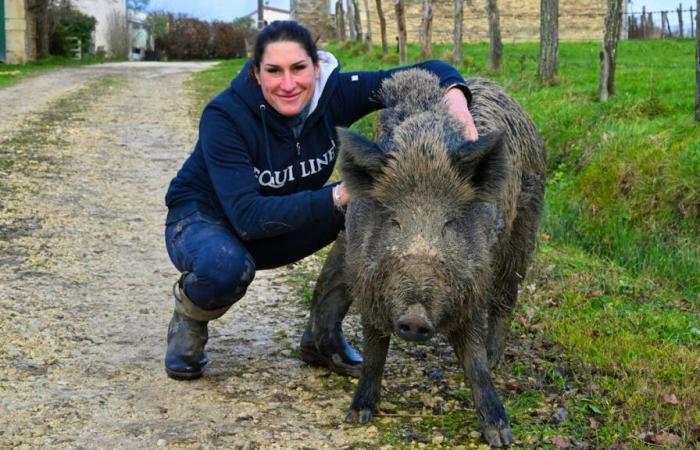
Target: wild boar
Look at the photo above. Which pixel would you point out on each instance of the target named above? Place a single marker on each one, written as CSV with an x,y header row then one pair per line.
x,y
440,231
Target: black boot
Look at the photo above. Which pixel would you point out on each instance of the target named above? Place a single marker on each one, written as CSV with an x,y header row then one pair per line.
x,y
323,342
187,335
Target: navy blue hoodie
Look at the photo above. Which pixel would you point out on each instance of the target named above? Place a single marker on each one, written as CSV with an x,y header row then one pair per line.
x,y
248,165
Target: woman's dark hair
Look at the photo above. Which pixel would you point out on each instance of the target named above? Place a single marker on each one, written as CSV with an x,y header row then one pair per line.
x,y
284,31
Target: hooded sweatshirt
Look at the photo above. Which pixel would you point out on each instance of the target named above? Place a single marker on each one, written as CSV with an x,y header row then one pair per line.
x,y
250,167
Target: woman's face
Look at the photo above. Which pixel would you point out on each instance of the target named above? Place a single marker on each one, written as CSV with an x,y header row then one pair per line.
x,y
287,77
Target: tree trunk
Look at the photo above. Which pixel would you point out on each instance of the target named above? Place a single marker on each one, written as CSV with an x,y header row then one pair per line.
x,y
680,20
401,23
356,22
496,45
350,14
368,35
40,10
382,26
339,21
549,41
697,63
608,54
457,57
426,30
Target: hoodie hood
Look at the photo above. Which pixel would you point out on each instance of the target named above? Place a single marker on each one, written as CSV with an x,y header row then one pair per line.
x,y
245,87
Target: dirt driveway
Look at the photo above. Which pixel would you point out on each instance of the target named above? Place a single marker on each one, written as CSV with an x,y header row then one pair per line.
x,y
86,156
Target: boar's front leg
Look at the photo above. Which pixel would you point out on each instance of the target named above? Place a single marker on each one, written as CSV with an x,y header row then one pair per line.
x,y
367,394
470,349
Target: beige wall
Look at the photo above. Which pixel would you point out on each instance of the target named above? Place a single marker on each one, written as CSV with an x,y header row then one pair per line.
x,y
520,20
20,33
101,10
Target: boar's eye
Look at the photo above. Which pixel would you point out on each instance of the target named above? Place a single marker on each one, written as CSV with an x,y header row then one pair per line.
x,y
395,223
448,223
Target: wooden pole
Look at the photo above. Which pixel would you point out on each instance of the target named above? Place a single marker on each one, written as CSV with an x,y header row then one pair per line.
x,y
368,35
382,26
401,24
426,30
697,64
680,20
457,57
549,41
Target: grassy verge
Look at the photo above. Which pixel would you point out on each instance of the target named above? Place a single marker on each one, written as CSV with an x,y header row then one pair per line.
x,y
605,349
12,73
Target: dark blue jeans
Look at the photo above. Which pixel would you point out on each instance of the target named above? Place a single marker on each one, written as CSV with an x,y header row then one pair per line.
x,y
222,266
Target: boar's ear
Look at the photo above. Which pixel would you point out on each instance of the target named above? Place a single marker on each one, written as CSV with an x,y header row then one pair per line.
x,y
361,160
484,162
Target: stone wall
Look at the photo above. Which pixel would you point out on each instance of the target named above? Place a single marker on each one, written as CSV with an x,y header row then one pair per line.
x,y
315,15
520,20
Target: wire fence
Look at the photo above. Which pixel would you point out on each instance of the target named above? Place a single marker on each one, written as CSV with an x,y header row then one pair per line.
x,y
657,24
662,24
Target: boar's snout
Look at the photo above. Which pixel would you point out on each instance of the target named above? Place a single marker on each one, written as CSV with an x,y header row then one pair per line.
x,y
414,325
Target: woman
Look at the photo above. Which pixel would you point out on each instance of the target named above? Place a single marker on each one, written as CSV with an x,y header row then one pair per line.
x,y
251,195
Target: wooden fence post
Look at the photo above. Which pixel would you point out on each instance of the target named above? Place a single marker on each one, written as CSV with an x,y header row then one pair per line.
x,y
401,24
457,57
697,64
680,19
382,26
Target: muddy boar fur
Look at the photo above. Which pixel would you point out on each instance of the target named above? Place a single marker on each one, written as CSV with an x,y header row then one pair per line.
x,y
441,230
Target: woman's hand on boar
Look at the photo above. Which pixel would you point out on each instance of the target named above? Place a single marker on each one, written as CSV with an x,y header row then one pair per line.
x,y
340,196
457,106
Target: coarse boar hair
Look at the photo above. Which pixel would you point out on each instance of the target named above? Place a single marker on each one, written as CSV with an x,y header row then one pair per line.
x,y
440,229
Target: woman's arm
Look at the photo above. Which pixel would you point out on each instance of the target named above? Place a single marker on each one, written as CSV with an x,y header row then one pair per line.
x,y
357,93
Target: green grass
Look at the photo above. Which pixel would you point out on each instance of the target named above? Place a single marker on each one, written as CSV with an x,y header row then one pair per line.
x,y
12,73
608,326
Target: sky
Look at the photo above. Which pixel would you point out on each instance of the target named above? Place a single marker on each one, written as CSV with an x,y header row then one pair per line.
x,y
228,10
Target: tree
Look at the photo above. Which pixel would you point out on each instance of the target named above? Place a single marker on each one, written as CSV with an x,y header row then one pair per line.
x,y
496,45
608,54
549,41
118,35
368,34
697,62
382,26
40,9
351,20
426,30
137,5
457,56
401,24
355,21
339,21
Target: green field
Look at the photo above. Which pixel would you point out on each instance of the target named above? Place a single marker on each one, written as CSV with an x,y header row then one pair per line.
x,y
606,340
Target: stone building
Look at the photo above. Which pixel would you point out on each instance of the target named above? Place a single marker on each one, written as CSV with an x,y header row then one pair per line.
x,y
18,39
519,20
106,12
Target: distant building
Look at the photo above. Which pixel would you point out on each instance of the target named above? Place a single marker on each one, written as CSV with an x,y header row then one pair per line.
x,y
138,34
270,14
103,11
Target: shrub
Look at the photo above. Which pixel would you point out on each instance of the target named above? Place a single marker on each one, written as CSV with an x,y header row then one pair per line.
x,y
187,38
67,22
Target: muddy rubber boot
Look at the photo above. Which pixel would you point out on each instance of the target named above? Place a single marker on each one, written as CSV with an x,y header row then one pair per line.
x,y
323,342
187,335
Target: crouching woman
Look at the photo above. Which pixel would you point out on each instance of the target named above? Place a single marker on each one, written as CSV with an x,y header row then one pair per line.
x,y
253,194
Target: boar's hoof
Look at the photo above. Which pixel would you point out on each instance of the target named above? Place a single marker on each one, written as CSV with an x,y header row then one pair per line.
x,y
364,415
498,437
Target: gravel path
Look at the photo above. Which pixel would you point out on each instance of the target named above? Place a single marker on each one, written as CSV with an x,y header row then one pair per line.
x,y
85,285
